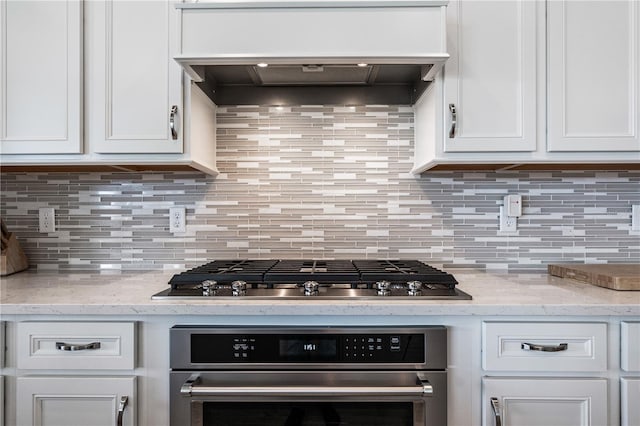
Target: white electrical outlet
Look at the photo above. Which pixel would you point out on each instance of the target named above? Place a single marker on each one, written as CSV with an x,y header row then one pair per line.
x,y
47,220
508,224
177,219
635,217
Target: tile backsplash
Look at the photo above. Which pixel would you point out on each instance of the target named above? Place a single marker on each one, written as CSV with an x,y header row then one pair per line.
x,y
321,182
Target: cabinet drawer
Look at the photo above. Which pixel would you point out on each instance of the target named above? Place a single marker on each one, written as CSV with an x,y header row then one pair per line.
x,y
76,345
544,346
630,346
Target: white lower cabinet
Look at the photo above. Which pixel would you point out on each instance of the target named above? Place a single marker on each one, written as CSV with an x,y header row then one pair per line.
x,y
75,401
539,367
629,397
630,363
544,401
68,373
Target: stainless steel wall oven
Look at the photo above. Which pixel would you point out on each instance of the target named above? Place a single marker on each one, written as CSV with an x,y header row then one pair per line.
x,y
302,376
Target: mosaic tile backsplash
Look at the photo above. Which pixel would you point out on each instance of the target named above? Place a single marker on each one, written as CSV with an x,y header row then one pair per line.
x,y
326,183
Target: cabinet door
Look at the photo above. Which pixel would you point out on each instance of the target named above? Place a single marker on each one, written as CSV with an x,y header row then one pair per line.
x,y
594,76
40,77
490,78
545,401
629,396
74,401
132,80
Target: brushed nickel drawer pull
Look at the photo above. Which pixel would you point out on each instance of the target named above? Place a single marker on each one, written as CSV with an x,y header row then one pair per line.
x,y
61,346
544,348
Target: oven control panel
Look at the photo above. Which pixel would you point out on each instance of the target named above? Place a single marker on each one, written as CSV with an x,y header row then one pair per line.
x,y
286,348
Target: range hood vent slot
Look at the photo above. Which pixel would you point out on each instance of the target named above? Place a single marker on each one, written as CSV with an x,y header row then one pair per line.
x,y
291,75
328,84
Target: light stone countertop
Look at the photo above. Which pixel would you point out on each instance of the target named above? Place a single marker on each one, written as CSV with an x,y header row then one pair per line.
x,y
40,293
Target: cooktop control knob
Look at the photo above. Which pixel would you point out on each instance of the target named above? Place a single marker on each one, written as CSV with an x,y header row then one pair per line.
x,y
414,288
383,288
209,288
239,288
311,288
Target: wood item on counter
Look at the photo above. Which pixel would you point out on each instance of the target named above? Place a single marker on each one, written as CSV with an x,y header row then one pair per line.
x,y
617,276
12,258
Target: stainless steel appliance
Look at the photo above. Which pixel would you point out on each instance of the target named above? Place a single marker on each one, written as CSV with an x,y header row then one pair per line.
x,y
319,279
267,376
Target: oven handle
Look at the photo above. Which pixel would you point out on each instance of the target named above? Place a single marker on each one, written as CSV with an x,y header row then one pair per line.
x,y
190,388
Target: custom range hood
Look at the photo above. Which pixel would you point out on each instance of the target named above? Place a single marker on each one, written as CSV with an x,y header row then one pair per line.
x,y
313,52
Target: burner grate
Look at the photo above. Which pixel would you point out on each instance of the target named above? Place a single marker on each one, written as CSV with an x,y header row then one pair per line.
x,y
225,272
321,271
401,271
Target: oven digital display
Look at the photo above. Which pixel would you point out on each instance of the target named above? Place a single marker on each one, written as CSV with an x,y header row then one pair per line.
x,y
305,348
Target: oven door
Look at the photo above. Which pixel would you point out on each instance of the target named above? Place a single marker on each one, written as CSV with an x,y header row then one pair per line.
x,y
305,398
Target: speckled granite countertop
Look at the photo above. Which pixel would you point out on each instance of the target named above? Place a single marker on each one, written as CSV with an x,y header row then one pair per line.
x,y
130,294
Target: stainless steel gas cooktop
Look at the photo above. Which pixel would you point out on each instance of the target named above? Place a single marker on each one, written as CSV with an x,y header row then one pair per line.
x,y
319,279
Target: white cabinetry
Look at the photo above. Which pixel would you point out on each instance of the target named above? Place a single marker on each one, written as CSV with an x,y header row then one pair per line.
x,y
76,345
544,346
86,396
630,346
132,82
137,116
490,78
75,401
534,85
629,397
545,401
594,75
630,363
550,350
40,77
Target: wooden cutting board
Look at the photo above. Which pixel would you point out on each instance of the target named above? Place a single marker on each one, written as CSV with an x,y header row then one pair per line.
x,y
619,276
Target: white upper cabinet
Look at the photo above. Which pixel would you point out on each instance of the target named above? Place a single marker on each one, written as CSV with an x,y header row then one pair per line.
x,y
593,75
132,81
490,78
40,77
